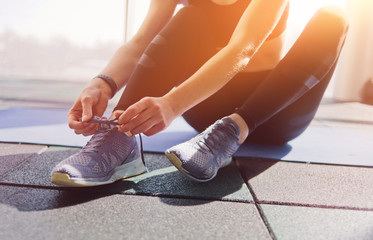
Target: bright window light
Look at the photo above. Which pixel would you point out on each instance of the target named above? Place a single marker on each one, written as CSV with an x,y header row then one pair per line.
x,y
68,40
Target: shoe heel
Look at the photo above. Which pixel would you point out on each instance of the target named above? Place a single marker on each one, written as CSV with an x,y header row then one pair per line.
x,y
134,167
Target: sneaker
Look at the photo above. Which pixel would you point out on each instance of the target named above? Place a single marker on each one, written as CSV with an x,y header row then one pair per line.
x,y
201,157
107,157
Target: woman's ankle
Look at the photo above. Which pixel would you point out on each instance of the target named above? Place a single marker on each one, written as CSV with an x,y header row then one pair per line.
x,y
244,129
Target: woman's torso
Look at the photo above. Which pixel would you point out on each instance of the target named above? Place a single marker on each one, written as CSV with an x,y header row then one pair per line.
x,y
226,14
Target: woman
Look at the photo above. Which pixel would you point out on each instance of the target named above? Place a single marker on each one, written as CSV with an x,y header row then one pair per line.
x,y
214,61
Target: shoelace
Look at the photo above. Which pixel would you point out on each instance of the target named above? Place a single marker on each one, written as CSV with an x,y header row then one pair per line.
x,y
112,122
99,137
211,139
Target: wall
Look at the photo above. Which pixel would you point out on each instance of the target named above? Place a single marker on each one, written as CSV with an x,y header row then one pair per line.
x,y
356,63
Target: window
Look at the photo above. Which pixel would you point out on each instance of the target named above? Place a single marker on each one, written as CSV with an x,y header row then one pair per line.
x,y
58,40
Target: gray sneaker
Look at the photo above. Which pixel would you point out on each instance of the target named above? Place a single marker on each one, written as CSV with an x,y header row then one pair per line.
x,y
107,157
201,157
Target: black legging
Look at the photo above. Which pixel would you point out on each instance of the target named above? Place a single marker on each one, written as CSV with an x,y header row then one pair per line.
x,y
277,104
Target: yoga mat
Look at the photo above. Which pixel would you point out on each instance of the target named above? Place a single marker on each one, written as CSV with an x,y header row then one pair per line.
x,y
49,127
316,144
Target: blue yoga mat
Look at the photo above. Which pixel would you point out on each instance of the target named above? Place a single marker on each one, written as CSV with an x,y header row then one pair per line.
x,y
316,144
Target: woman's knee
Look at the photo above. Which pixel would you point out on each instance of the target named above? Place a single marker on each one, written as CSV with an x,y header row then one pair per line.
x,y
334,15
332,24
322,39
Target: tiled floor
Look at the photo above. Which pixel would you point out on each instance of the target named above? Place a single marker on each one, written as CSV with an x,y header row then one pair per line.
x,y
250,199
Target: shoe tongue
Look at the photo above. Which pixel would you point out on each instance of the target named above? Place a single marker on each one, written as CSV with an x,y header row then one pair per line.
x,y
231,125
98,138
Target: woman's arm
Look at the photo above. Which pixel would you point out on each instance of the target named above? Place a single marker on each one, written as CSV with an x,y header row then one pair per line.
x,y
255,25
151,115
94,98
122,64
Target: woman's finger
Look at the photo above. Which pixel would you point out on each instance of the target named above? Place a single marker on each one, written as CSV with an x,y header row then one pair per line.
x,y
117,113
154,130
87,106
90,132
143,127
129,113
89,129
74,122
136,121
134,110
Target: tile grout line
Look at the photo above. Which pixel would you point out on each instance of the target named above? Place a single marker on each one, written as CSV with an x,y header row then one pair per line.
x,y
290,204
57,188
256,201
30,186
257,205
32,155
261,212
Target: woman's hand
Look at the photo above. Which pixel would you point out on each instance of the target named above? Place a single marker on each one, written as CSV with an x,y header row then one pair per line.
x,y
150,115
92,102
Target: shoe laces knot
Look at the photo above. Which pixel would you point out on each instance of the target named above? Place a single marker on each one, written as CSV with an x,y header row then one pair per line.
x,y
106,128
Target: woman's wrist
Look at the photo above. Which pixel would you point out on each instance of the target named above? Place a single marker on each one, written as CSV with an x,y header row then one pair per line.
x,y
102,85
106,83
176,107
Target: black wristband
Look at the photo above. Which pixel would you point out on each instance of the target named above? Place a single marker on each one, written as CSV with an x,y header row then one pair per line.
x,y
112,84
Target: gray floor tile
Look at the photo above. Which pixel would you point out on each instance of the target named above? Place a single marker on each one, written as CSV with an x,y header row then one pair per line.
x,y
12,155
36,169
162,179
51,214
290,222
351,115
309,184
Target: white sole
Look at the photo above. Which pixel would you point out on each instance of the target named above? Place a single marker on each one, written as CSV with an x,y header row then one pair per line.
x,y
175,160
133,168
